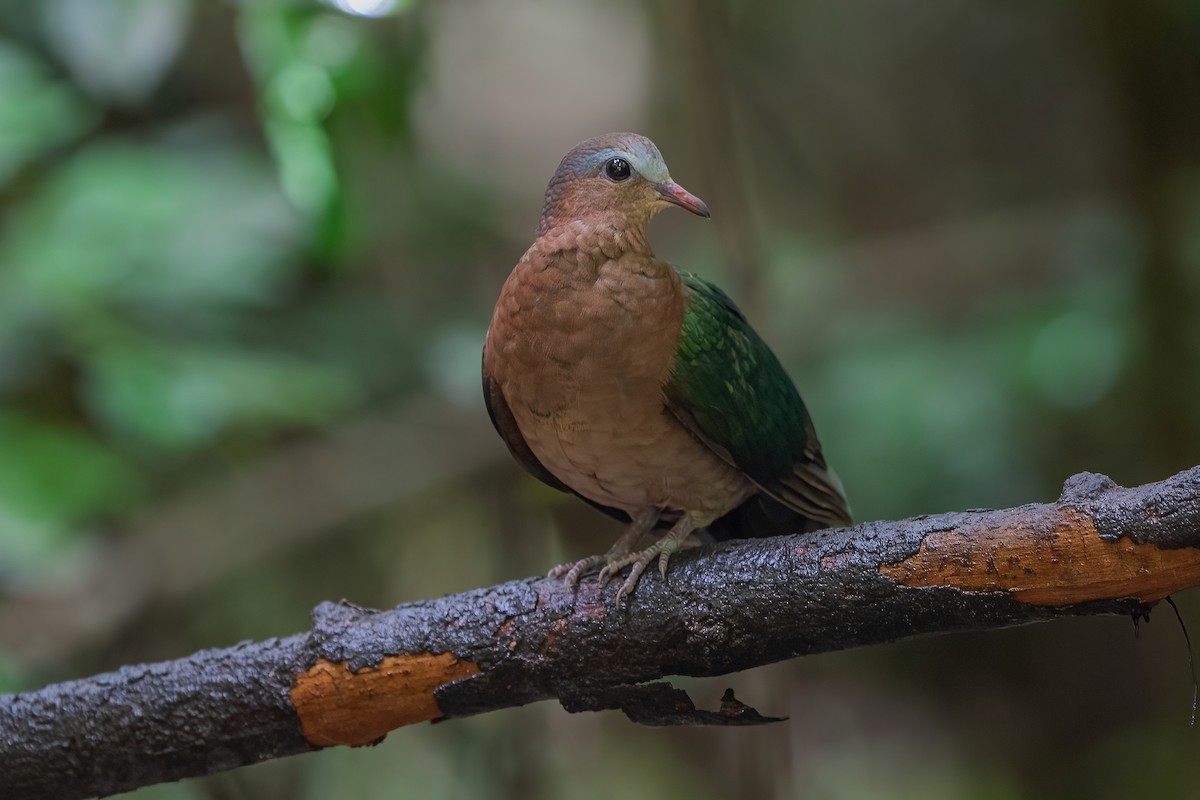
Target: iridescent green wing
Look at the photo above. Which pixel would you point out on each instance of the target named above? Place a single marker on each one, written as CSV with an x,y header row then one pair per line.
x,y
731,392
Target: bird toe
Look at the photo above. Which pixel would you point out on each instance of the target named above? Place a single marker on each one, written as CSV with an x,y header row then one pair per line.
x,y
572,571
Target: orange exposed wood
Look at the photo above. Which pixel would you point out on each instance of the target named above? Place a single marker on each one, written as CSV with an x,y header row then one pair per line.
x,y
1054,560
338,705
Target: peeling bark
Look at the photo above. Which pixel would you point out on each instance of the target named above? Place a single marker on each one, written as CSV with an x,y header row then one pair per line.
x,y
340,705
359,673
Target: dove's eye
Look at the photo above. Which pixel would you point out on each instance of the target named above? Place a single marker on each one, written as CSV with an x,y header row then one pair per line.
x,y
617,169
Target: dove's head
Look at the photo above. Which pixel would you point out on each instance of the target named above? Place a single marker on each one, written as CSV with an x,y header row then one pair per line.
x,y
618,177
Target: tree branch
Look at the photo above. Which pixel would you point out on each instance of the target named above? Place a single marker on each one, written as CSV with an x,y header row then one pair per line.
x,y
359,673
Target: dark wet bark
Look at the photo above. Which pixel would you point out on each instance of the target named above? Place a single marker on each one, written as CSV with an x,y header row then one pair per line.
x,y
359,673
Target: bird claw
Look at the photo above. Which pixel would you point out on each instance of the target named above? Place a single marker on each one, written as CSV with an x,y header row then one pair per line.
x,y
640,561
618,558
574,570
610,571
615,565
635,575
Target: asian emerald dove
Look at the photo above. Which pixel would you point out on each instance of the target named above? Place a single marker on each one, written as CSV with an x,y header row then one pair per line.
x,y
639,387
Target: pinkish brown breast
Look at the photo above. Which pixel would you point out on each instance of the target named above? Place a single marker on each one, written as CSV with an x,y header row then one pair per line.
x,y
582,340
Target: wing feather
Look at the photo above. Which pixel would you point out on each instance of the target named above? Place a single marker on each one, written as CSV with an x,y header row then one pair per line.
x,y
730,391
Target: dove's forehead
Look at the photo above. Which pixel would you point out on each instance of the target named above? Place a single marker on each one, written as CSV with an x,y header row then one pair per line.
x,y
639,151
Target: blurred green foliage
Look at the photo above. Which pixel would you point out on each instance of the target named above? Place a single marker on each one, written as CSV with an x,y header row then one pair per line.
x,y
39,113
248,252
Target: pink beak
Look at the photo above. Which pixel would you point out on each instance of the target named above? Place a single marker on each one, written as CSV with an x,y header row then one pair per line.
x,y
672,192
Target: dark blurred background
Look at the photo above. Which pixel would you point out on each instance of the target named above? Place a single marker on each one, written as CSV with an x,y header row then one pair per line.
x,y
248,252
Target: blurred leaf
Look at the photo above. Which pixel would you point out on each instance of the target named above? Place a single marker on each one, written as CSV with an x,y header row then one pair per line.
x,y
10,677
331,42
182,790
37,113
49,473
180,396
293,51
163,227
937,416
1076,357
305,164
452,364
117,49
51,479
301,91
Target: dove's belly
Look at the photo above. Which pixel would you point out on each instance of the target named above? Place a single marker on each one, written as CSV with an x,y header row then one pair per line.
x,y
581,364
631,456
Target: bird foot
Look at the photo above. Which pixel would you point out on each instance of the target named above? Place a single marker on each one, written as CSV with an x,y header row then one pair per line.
x,y
574,570
613,563
619,556
663,549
